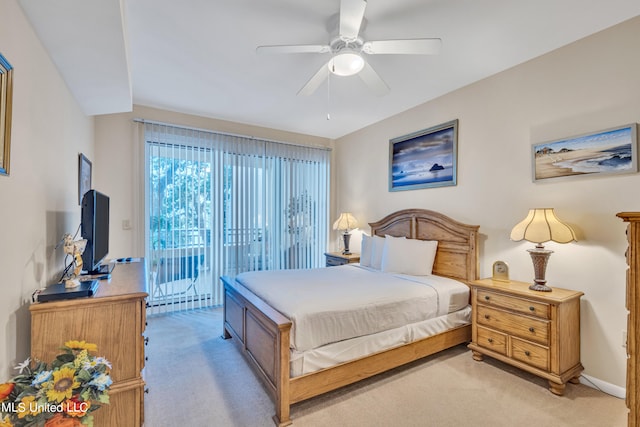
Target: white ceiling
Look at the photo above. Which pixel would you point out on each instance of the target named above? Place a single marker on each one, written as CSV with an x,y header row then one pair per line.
x,y
199,57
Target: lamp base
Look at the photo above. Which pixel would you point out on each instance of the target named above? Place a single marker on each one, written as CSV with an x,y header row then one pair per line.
x,y
346,237
540,257
540,287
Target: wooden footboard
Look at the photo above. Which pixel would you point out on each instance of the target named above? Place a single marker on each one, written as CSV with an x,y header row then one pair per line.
x,y
262,334
316,383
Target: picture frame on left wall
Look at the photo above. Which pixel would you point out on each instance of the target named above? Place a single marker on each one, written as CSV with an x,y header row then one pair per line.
x,y
84,176
6,95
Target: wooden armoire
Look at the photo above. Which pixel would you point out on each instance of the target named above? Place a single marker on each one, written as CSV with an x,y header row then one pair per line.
x,y
633,305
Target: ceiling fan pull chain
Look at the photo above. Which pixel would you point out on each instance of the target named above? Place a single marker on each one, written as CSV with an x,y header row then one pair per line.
x,y
329,96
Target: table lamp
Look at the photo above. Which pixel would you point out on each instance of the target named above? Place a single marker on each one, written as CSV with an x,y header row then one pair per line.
x,y
541,225
346,222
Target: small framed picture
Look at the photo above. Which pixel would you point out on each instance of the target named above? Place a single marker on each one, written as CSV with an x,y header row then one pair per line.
x,y
84,176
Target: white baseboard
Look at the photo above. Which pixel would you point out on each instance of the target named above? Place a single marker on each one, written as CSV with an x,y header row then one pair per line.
x,y
612,389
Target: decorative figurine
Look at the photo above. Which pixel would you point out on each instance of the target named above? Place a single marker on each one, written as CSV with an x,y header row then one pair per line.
x,y
75,248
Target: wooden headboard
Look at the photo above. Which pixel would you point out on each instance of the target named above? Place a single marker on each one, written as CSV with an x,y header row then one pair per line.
x,y
457,254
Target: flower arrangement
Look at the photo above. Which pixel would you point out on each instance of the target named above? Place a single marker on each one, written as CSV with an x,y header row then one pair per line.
x,y
62,394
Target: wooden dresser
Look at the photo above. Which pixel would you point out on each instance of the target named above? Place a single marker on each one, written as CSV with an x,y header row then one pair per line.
x,y
633,321
114,319
538,332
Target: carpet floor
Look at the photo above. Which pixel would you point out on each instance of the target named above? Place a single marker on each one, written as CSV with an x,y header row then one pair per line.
x,y
195,378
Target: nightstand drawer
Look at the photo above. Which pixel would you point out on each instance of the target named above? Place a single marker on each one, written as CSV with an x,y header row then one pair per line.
x,y
336,258
514,324
532,308
530,353
492,340
332,261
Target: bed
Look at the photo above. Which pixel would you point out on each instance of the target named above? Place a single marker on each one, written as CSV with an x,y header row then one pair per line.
x,y
266,337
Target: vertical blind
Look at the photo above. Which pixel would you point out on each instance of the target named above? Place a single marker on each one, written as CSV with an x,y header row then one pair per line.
x,y
221,204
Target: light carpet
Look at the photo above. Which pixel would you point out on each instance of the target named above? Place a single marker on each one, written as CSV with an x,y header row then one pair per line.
x,y
195,378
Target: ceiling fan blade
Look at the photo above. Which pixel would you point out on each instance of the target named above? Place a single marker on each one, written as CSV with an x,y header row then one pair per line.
x,y
410,46
295,48
373,80
351,14
314,82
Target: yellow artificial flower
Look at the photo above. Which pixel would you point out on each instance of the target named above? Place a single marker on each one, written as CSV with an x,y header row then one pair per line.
x,y
6,422
28,406
62,385
81,345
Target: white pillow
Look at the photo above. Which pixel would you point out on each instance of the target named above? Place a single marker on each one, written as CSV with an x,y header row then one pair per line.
x,y
409,256
365,250
377,246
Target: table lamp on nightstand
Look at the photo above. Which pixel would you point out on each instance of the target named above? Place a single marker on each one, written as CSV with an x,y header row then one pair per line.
x,y
346,222
540,226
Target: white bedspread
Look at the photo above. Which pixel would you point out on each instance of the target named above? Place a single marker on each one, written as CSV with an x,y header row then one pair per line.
x,y
332,304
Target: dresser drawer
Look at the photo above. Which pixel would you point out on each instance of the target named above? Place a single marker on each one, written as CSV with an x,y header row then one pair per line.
x,y
530,353
532,308
532,329
492,340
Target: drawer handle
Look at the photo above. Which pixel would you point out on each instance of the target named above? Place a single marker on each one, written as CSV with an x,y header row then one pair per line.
x,y
146,341
490,339
487,297
531,329
527,353
486,316
532,308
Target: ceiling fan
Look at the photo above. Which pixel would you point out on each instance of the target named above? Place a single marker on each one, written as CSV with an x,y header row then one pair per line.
x,y
347,50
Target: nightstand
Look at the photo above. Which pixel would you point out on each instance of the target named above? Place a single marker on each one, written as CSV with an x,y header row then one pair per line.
x,y
538,332
337,258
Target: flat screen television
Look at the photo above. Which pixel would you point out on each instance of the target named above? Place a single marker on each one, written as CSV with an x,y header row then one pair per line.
x,y
95,228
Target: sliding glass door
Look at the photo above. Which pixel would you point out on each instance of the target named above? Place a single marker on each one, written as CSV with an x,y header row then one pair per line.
x,y
220,205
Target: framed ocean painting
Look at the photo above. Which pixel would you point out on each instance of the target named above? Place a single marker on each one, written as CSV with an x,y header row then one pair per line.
x,y
610,151
424,159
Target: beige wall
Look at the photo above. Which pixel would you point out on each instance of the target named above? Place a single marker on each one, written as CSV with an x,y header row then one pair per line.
x,y
40,197
590,85
120,176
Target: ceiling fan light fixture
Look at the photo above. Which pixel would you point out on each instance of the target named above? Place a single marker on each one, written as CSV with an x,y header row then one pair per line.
x,y
346,63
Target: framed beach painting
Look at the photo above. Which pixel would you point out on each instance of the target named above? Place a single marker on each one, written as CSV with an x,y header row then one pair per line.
x,y
610,151
424,159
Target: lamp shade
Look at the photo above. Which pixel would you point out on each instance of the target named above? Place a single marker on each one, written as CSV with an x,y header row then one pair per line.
x,y
346,221
542,225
